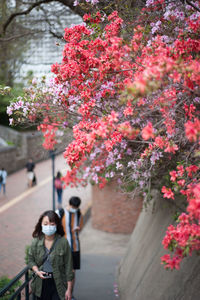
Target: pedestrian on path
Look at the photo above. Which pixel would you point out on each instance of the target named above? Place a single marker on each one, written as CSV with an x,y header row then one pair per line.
x,y
49,256
72,221
59,188
34,181
3,177
30,166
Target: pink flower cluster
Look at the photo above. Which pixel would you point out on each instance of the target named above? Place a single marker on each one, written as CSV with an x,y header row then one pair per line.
x,y
184,238
132,104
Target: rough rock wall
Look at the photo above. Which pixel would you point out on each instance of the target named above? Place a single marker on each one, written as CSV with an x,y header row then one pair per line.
x,y
141,276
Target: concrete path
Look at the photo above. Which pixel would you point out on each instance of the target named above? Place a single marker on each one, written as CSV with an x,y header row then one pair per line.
x,y
19,212
101,253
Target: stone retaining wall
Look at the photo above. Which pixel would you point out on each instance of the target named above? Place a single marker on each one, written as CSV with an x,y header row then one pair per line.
x,y
141,275
25,145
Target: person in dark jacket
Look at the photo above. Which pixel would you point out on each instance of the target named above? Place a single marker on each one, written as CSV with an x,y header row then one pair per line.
x,y
49,256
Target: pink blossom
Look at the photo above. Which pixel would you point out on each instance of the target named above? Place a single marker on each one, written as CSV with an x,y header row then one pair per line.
x,y
147,131
167,193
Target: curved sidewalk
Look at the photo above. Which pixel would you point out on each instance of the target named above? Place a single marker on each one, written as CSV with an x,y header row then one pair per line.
x,y
21,207
19,212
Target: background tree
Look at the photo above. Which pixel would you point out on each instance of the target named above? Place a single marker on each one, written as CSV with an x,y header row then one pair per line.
x,y
23,21
12,45
23,25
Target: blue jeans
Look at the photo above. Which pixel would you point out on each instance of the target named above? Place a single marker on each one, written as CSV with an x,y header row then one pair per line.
x,y
59,194
4,187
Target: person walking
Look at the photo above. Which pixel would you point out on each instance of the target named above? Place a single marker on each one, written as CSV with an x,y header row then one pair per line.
x,y
59,188
30,166
50,258
3,177
72,221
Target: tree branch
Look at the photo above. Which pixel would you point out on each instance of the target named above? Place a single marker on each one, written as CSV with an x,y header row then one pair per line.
x,y
60,37
17,36
68,3
194,6
54,34
25,12
76,9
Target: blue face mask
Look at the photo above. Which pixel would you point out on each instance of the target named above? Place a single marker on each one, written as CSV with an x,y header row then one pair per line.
x,y
49,229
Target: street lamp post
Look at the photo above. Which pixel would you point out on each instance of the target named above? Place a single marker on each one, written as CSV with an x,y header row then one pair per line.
x,y
52,155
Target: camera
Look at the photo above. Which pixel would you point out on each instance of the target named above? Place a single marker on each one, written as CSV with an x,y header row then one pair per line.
x,y
47,275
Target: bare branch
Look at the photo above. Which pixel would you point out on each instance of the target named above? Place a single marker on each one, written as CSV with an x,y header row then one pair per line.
x,y
15,37
60,37
68,3
54,34
25,12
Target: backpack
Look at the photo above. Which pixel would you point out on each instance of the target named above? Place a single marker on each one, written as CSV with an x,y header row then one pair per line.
x,y
1,178
58,183
61,212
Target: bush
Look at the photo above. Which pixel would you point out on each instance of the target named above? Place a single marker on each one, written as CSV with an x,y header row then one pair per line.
x,y
4,280
26,254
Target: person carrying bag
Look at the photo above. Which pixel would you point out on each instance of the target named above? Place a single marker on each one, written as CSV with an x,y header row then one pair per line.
x,y
49,257
46,258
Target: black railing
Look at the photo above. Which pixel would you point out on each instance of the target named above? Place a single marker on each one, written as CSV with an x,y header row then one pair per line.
x,y
24,287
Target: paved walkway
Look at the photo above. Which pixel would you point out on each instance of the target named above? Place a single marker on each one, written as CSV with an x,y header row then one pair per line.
x,y
19,212
101,254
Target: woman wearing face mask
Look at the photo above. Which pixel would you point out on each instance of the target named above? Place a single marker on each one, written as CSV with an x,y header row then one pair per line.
x,y
50,258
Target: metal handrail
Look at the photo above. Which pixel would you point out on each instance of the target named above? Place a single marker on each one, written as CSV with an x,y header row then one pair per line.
x,y
25,285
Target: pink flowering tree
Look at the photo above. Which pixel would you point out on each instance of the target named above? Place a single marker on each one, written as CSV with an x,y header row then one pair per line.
x,y
132,101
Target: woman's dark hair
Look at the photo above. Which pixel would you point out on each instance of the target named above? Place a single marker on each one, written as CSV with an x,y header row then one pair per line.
x,y
75,201
58,175
53,217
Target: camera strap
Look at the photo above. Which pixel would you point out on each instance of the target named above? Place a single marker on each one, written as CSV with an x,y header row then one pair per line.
x,y
47,255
